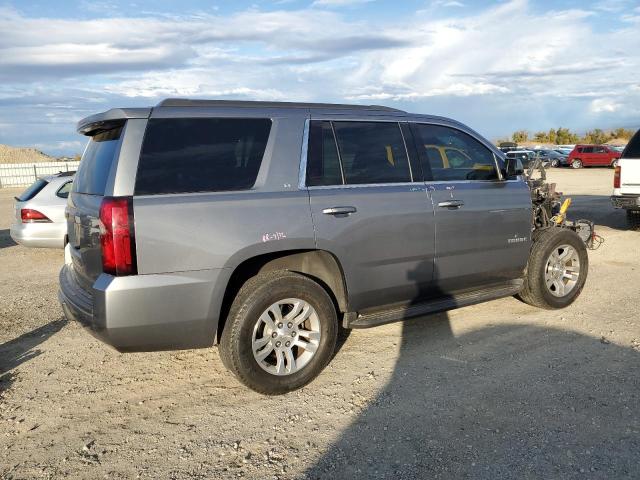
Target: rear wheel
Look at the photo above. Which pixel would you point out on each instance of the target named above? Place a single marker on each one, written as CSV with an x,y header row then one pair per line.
x,y
280,333
577,163
555,163
633,219
614,164
557,269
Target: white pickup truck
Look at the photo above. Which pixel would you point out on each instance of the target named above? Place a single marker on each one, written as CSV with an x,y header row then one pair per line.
x,y
626,182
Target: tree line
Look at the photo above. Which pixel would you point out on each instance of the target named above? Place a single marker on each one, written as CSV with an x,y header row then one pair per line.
x,y
562,136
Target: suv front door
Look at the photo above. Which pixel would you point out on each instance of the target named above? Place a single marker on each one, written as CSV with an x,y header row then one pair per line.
x,y
369,209
483,222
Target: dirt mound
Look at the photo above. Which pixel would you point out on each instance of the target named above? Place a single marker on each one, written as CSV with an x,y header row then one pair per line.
x,y
10,154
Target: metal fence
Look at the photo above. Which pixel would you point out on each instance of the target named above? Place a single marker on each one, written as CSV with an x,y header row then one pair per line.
x,y
24,174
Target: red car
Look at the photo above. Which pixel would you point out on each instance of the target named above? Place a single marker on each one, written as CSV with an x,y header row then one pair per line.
x,y
593,156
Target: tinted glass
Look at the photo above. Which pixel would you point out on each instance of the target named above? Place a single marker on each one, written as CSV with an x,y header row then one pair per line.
x,y
632,149
201,154
599,150
95,165
323,164
587,149
372,152
63,191
32,190
463,157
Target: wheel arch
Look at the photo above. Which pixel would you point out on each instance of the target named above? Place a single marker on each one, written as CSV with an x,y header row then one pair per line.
x,y
319,265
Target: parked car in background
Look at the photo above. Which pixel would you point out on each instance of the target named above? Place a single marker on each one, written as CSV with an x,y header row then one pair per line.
x,y
525,156
39,212
264,227
593,156
626,182
563,151
508,146
555,159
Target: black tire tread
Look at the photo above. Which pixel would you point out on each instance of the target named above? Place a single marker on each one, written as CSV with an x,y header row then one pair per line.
x,y
532,291
241,304
633,219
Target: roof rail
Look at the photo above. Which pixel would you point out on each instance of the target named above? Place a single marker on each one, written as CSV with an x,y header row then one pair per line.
x,y
186,102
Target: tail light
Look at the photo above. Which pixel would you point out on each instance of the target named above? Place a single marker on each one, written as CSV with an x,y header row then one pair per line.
x,y
29,215
117,236
616,177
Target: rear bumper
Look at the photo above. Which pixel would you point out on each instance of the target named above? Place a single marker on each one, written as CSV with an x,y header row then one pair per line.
x,y
630,202
39,235
147,312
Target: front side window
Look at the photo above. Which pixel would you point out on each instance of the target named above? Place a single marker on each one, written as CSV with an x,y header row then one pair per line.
x,y
463,157
587,149
181,155
600,150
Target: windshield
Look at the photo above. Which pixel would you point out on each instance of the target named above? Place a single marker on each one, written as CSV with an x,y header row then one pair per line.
x,y
95,166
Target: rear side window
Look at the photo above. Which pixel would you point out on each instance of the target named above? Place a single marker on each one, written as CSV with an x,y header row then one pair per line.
x,y
201,154
32,190
462,156
632,150
96,162
359,153
587,150
63,191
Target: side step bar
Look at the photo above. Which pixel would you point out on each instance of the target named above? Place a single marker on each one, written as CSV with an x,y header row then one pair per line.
x,y
381,317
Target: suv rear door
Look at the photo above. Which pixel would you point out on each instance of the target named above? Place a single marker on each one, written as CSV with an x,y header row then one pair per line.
x,y
369,208
107,168
601,156
630,167
483,222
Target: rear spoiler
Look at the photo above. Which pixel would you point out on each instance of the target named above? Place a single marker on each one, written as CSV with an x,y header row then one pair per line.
x,y
109,119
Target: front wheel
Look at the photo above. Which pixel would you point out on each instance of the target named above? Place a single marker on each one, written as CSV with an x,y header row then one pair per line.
x,y
280,333
557,269
577,163
614,164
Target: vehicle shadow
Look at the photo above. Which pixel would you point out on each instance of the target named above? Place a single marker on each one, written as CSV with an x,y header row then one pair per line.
x,y
5,239
599,210
22,349
510,401
505,401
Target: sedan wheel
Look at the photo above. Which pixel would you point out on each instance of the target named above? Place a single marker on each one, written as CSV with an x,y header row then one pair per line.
x,y
576,163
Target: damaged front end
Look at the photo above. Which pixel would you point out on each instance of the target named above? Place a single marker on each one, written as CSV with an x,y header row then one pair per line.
x,y
550,210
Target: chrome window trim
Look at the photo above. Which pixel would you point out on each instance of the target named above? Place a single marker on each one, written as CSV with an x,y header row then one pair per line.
x,y
367,185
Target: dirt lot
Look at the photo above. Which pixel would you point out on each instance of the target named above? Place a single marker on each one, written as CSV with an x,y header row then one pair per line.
x,y
500,390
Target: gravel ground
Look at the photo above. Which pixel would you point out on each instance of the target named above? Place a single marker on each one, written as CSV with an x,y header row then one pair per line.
x,y
499,390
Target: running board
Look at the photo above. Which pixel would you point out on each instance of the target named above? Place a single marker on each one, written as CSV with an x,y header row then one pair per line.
x,y
381,317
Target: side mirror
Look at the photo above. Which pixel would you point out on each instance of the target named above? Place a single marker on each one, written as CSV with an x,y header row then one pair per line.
x,y
513,167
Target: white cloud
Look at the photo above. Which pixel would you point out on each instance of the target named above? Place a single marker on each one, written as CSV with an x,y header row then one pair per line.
x,y
555,68
607,105
339,3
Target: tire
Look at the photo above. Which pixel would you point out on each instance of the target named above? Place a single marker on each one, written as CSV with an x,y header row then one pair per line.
x,y
536,291
633,219
245,329
577,163
614,164
555,163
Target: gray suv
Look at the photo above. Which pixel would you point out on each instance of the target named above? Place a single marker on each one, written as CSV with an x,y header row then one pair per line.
x,y
266,227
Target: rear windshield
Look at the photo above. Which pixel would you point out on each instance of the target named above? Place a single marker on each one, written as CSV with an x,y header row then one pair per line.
x,y
32,190
181,155
93,172
633,147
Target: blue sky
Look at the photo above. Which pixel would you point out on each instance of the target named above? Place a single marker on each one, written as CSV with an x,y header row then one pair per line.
x,y
498,66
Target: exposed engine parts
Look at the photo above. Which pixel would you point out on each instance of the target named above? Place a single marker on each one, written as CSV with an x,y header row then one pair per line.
x,y
549,210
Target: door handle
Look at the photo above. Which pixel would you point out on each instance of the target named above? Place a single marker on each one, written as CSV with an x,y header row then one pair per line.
x,y
451,204
339,210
